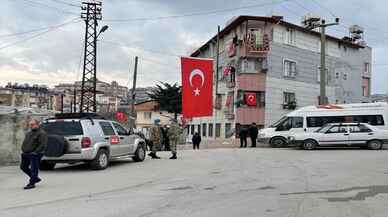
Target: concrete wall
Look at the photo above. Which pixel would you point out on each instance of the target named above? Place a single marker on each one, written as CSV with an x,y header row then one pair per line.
x,y
13,127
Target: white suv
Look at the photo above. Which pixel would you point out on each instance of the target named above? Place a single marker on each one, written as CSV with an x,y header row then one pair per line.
x,y
345,134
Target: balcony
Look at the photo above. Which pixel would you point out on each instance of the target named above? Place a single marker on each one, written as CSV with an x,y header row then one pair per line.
x,y
255,47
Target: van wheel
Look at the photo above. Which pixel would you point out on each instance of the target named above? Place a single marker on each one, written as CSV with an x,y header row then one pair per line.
x,y
375,145
140,153
46,165
309,144
278,142
101,161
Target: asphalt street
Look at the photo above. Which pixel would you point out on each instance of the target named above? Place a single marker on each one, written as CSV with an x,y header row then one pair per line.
x,y
261,182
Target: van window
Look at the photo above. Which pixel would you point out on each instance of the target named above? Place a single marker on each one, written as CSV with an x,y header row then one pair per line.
x,y
321,121
107,129
64,128
290,122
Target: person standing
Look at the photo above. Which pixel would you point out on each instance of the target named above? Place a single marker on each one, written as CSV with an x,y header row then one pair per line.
x,y
156,139
243,133
196,140
33,148
173,134
253,132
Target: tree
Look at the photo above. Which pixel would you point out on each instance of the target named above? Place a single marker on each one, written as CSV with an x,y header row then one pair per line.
x,y
169,97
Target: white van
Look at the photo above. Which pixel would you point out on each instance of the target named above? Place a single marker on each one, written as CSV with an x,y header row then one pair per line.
x,y
310,118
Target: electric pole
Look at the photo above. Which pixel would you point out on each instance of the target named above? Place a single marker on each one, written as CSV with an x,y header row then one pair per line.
x,y
133,93
91,13
312,24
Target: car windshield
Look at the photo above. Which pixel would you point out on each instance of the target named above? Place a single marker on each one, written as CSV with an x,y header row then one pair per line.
x,y
64,128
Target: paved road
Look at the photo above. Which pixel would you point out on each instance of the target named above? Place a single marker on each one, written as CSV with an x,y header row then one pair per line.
x,y
258,182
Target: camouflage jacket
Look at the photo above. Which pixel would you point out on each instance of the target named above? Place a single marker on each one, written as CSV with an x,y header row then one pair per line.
x,y
155,134
174,132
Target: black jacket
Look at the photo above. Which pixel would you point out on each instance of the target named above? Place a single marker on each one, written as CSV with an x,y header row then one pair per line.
x,y
196,139
243,132
35,141
253,131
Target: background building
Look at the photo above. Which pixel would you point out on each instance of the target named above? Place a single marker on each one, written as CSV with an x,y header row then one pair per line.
x,y
268,67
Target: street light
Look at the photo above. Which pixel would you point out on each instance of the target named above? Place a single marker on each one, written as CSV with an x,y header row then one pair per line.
x,y
103,29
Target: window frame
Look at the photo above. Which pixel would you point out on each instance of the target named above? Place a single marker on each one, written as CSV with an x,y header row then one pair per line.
x,y
289,74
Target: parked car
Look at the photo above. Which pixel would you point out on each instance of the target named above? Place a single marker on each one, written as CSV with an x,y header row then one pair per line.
x,y
91,140
342,134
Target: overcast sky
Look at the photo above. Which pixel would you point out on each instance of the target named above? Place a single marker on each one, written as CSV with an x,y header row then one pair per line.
x,y
54,57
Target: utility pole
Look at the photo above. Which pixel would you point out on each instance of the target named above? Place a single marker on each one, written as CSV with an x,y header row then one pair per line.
x,y
134,88
217,74
312,24
91,13
75,100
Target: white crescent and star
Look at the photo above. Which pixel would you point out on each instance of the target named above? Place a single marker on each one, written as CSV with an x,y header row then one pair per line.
x,y
202,75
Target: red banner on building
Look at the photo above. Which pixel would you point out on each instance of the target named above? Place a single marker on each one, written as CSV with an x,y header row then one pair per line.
x,y
197,87
250,99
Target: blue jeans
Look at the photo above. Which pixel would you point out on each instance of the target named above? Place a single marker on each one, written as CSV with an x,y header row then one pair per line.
x,y
30,166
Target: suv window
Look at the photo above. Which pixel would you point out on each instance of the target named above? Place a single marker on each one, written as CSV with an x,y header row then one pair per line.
x,y
120,130
107,128
64,128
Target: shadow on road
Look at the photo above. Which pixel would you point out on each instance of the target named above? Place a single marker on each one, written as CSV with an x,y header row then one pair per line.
x,y
82,167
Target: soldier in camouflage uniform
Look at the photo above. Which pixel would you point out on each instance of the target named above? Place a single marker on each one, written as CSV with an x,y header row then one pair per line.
x,y
156,138
174,133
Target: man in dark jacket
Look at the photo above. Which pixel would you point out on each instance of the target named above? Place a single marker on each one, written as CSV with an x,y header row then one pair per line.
x,y
253,132
196,140
243,133
33,147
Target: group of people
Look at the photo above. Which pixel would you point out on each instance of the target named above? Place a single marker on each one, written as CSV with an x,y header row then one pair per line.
x,y
252,131
169,137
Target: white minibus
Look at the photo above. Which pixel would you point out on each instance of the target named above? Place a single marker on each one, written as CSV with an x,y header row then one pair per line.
x,y
310,118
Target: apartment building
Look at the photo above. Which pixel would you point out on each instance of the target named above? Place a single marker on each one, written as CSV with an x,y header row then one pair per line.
x,y
269,67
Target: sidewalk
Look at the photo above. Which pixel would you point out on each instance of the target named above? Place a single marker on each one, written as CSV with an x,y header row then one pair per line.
x,y
219,143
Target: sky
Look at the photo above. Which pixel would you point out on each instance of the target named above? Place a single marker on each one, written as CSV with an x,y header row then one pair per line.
x,y
29,53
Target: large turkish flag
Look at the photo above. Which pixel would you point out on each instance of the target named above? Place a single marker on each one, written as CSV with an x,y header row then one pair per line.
x,y
197,87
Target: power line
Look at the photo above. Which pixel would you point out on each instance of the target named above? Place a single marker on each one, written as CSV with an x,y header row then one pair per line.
x,y
66,3
34,30
200,13
36,35
40,5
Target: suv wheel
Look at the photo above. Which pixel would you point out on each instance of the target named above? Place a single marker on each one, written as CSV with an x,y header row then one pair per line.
x,y
278,142
309,144
140,153
101,161
375,145
46,165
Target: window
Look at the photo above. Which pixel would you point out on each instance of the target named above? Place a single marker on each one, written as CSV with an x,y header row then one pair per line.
x,y
288,123
290,37
120,130
63,128
360,129
319,75
210,132
289,68
188,129
366,68
204,130
376,120
289,97
147,115
199,129
218,130
107,129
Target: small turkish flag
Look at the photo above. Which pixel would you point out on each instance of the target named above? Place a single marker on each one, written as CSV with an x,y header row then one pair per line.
x,y
250,99
197,87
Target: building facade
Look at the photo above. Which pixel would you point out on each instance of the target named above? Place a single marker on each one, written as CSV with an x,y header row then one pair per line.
x,y
268,67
